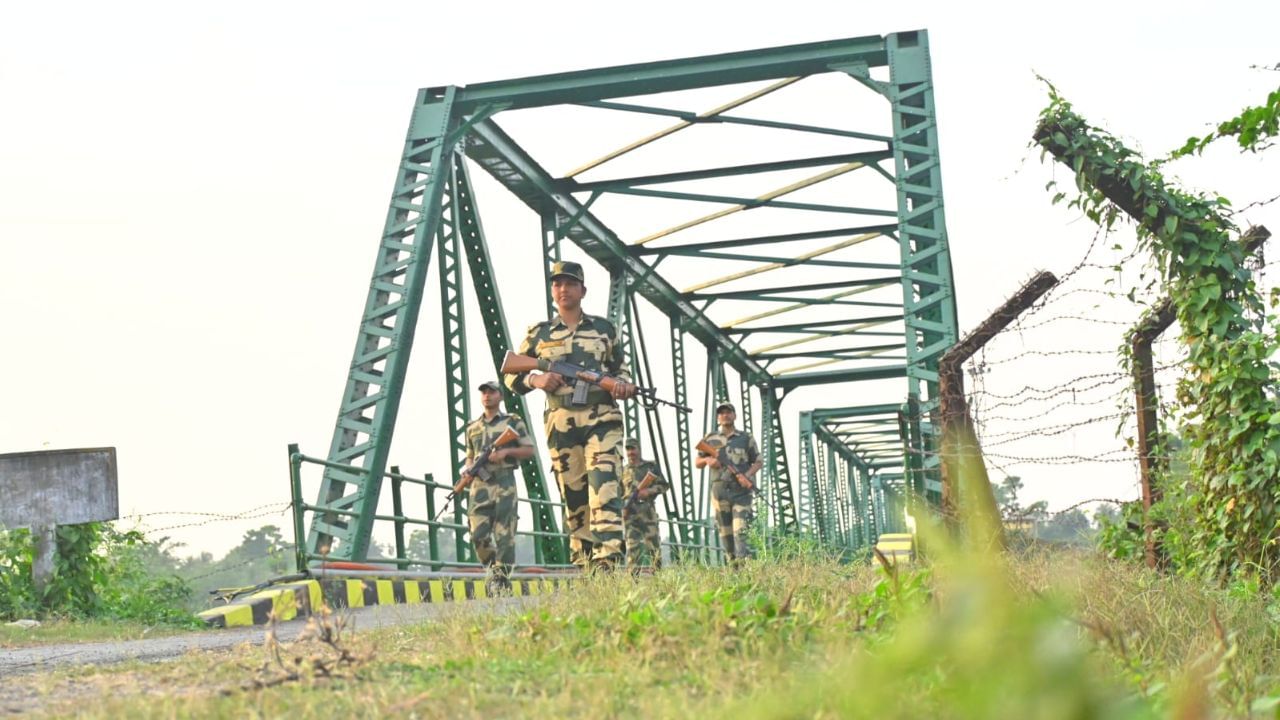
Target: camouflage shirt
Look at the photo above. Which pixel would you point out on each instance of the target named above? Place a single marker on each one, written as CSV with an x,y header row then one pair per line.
x,y
741,449
594,345
482,432
633,474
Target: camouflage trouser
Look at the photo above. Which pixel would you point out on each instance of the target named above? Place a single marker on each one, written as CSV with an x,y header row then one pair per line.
x,y
643,543
734,514
492,511
586,452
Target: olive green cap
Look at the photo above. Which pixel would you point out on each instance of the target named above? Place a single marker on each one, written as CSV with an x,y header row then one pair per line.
x,y
569,269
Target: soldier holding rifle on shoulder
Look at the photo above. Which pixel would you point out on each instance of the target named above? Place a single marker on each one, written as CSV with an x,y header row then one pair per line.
x,y
642,482
734,460
492,457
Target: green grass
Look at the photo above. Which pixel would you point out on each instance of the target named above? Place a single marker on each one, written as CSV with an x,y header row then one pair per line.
x,y
52,632
1045,635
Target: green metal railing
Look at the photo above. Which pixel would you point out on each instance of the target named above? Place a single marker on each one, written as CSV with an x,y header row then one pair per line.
x,y
400,520
702,546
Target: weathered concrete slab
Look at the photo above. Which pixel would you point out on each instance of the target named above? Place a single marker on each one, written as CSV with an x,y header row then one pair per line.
x,y
58,487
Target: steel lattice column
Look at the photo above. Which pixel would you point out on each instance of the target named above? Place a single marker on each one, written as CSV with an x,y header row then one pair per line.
x,y
551,254
721,385
820,510
471,234
824,486
765,503
684,439
878,508
855,498
847,503
747,423
927,285
807,500
779,476
454,329
657,436
371,397
619,314
617,306
835,477
868,507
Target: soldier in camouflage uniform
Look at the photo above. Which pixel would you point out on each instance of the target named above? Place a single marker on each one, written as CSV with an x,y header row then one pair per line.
x,y
492,503
585,441
734,512
644,547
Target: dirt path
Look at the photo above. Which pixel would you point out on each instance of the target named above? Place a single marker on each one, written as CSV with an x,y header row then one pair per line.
x,y
21,667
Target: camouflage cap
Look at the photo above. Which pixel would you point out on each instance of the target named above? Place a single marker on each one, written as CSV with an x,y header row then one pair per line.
x,y
571,269
725,404
490,385
631,443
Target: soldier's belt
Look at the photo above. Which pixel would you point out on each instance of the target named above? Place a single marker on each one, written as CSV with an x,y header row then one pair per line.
x,y
595,396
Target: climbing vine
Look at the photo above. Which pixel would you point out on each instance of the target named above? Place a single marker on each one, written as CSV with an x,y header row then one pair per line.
x,y
1254,129
1232,420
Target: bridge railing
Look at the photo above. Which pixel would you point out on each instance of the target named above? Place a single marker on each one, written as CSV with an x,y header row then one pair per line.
x,y
704,546
399,520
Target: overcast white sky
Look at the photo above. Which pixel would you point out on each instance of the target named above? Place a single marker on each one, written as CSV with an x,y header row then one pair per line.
x,y
191,196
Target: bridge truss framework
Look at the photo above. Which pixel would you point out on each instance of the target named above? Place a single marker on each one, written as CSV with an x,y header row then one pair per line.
x,y
860,319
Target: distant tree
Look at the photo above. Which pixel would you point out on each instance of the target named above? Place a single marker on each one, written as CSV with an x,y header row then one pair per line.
x,y
1037,511
262,554
1006,494
261,542
1070,527
419,547
1105,513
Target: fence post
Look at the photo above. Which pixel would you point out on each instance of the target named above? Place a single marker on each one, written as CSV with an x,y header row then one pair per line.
x,y
961,456
1151,461
1145,402
433,542
298,507
397,509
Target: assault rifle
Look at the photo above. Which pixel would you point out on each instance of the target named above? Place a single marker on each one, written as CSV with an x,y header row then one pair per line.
x,y
581,379
645,484
479,466
718,452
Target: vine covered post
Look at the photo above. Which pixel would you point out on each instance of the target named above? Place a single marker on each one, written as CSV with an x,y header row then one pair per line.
x,y
1232,423
1146,403
1151,461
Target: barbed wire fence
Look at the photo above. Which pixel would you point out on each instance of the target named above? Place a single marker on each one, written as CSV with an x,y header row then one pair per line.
x,y
259,554
1051,399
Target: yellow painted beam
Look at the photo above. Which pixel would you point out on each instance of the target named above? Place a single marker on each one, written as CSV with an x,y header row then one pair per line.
x,y
682,125
775,265
771,195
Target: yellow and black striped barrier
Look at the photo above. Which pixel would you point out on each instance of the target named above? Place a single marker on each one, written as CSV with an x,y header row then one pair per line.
x,y
299,599
897,547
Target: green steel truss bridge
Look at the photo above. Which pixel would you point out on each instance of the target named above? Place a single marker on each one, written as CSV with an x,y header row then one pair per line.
x,y
771,223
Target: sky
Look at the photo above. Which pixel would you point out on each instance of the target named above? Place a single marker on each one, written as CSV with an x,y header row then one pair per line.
x,y
191,196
